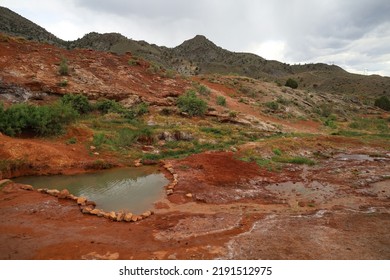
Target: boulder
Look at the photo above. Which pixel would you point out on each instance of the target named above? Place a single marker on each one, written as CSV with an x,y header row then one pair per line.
x,y
189,195
128,217
64,194
81,200
42,190
175,176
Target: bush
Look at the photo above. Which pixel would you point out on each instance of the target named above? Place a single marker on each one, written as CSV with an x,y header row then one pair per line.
x,y
291,83
109,106
78,102
63,68
221,100
383,103
191,104
40,120
204,90
272,105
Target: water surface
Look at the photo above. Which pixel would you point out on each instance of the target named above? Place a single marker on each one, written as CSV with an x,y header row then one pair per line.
x,y
132,189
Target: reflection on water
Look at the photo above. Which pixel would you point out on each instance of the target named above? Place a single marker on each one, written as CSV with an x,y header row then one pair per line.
x,y
133,189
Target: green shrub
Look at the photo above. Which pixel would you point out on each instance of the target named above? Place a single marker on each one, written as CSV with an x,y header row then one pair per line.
x,y
221,101
272,105
108,106
191,104
203,90
291,83
99,139
383,102
63,68
40,120
277,152
78,102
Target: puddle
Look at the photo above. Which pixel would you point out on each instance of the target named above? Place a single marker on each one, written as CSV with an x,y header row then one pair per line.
x,y
132,189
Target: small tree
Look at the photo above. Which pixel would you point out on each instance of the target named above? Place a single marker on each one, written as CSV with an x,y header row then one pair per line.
x,y
291,83
383,102
191,104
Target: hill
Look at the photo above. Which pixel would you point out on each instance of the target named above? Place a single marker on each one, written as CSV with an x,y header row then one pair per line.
x,y
201,56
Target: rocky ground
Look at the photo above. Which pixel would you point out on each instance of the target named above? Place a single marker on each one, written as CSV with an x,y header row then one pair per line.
x,y
222,208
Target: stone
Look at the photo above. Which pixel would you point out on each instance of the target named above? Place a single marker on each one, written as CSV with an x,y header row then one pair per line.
x,y
169,192
96,153
5,182
189,195
170,186
135,218
130,101
128,217
86,209
146,214
92,148
72,197
27,187
81,200
120,216
137,163
64,194
175,176
112,215
53,192
91,203
96,212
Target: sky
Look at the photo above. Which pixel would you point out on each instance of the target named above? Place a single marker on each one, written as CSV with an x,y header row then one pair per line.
x,y
354,34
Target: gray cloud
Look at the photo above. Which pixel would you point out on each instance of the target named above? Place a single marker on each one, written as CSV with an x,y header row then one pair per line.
x,y
351,33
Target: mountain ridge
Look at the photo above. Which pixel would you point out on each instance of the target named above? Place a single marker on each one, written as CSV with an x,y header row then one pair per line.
x,y
199,55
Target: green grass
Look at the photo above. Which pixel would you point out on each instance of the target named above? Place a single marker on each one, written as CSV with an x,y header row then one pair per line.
x,y
294,160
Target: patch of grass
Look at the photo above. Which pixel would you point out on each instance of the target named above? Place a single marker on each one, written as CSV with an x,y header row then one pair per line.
x,y
71,141
63,69
272,105
277,152
370,124
294,160
221,100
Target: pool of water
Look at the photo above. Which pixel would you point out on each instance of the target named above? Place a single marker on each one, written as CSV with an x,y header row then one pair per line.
x,y
132,189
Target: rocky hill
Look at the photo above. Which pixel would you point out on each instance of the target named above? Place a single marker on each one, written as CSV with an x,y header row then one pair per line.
x,y
16,25
201,56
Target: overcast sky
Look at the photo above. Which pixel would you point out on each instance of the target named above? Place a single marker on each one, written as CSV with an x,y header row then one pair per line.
x,y
354,34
